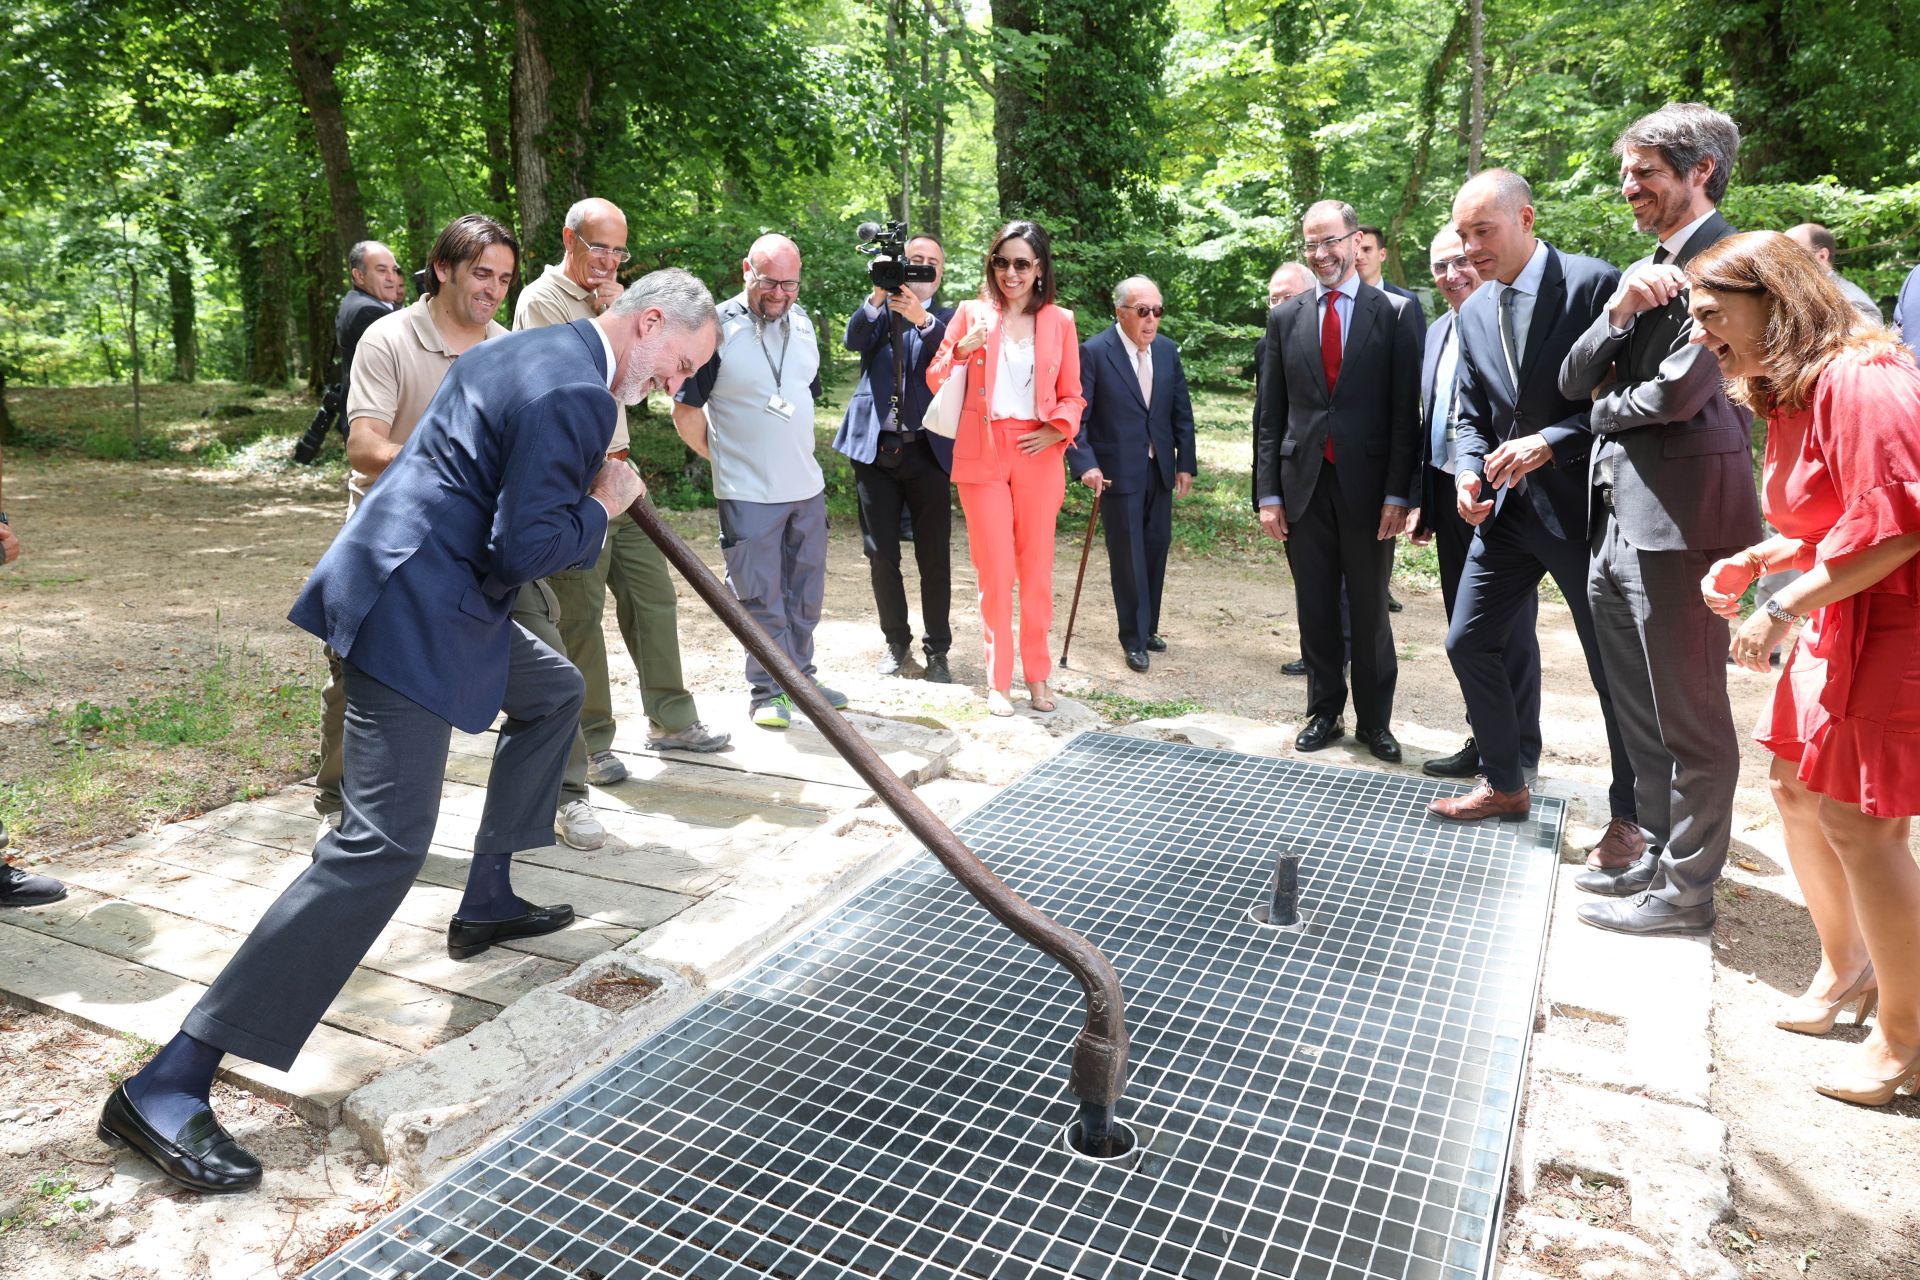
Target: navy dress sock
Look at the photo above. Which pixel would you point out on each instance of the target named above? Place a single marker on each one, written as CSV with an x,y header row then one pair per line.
x,y
489,894
176,1085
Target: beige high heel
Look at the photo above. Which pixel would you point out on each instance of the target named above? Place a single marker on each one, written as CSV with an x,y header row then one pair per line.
x,y
1865,1091
1816,1018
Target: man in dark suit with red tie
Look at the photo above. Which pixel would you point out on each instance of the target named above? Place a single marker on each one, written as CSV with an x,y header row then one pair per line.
x,y
1135,446
1333,460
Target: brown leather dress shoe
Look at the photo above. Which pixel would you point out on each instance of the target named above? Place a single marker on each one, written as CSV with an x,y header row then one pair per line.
x,y
1619,848
1484,802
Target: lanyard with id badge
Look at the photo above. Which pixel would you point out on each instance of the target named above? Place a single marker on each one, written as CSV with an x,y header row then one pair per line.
x,y
777,405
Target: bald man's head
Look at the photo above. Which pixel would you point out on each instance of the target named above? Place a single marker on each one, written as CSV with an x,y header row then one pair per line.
x,y
1494,212
772,273
595,236
1289,281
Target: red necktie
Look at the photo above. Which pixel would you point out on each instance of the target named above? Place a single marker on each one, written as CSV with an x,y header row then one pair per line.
x,y
1330,353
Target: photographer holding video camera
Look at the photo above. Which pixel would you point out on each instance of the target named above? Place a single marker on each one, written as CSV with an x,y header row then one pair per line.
x,y
897,464
376,292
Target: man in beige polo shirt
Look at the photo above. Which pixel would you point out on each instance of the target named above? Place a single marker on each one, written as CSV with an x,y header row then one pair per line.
x,y
579,287
399,365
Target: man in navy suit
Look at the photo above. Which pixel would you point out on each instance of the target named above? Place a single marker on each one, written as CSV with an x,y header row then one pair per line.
x,y
1370,257
503,481
1522,479
1454,276
897,464
1136,448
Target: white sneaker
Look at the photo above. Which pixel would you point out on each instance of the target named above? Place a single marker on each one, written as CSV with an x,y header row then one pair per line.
x,y
577,827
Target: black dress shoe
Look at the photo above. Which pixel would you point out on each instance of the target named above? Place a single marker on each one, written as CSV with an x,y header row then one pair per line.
x,y
1464,763
1137,659
897,661
1156,645
1620,884
1319,732
471,937
202,1156
24,889
1394,606
1381,742
1646,914
1298,667
937,669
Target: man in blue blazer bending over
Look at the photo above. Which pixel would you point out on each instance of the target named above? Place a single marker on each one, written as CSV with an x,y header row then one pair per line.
x,y
501,482
1135,447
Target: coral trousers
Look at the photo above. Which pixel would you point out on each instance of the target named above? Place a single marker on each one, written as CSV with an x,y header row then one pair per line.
x,y
1010,526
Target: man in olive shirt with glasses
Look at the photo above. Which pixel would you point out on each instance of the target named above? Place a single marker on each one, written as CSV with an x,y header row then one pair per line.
x,y
578,287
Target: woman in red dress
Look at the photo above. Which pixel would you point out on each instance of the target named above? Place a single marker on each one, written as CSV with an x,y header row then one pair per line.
x,y
1842,484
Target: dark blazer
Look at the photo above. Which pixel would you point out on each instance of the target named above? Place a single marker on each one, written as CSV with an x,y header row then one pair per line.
x,y
357,311
1573,290
1683,465
1430,492
488,494
1419,308
1373,414
869,334
1117,425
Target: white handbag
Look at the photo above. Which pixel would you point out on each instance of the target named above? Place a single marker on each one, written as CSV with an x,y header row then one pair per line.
x,y
943,416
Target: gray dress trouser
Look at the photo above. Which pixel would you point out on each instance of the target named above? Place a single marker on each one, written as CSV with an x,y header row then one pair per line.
x,y
776,555
272,994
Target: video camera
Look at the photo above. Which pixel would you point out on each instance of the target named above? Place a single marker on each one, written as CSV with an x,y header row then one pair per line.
x,y
890,269
330,406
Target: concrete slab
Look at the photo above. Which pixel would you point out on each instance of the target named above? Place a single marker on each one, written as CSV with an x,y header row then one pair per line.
x,y
125,998
913,751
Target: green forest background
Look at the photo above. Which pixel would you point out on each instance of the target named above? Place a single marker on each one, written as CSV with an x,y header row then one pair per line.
x,y
178,180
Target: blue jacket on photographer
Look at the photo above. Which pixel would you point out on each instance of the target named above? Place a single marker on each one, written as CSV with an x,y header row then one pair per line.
x,y
899,469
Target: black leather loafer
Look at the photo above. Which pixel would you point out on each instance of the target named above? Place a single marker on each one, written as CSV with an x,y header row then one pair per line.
x,y
1319,732
1156,645
1464,763
1382,743
471,937
202,1156
1298,667
937,671
1137,659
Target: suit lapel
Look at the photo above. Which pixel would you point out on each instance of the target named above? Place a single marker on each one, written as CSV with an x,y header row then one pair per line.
x,y
1367,304
1306,328
1546,306
1118,357
1710,232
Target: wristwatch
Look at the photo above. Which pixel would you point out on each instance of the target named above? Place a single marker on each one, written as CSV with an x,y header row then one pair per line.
x,y
1779,613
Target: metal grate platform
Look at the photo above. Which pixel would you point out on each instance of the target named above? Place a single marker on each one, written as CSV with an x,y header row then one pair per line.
x,y
884,1097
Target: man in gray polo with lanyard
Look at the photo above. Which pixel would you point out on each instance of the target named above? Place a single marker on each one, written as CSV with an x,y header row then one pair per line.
x,y
579,287
749,411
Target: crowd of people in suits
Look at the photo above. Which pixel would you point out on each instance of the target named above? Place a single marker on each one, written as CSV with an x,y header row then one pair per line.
x,y
1561,417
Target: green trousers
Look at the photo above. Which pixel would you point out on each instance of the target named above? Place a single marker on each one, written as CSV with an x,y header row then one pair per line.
x,y
633,569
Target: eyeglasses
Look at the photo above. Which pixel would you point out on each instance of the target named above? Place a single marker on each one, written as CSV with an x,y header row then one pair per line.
x,y
1445,266
1147,313
1018,265
619,253
1315,246
776,286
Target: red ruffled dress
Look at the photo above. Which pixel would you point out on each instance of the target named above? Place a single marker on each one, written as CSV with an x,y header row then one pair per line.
x,y
1843,475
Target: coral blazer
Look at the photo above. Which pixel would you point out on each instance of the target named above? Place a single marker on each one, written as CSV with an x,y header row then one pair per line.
x,y
1056,384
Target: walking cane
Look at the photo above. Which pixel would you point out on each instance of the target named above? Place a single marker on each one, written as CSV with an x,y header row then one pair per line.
x,y
1086,545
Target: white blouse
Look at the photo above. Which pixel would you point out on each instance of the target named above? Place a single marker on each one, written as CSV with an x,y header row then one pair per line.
x,y
1013,385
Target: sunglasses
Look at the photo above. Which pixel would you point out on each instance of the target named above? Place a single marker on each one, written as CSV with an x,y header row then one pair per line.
x,y
1020,265
1147,313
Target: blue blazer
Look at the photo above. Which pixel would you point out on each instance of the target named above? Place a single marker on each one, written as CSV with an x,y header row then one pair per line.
x,y
1117,425
870,336
1573,290
488,494
1419,308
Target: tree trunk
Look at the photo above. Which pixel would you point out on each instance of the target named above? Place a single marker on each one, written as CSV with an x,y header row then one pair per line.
x,y
268,361
322,266
180,311
6,414
552,98
1430,93
1758,58
315,43
1013,103
1477,100
133,341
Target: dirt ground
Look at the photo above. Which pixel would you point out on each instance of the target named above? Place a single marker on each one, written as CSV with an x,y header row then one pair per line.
x,y
135,573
